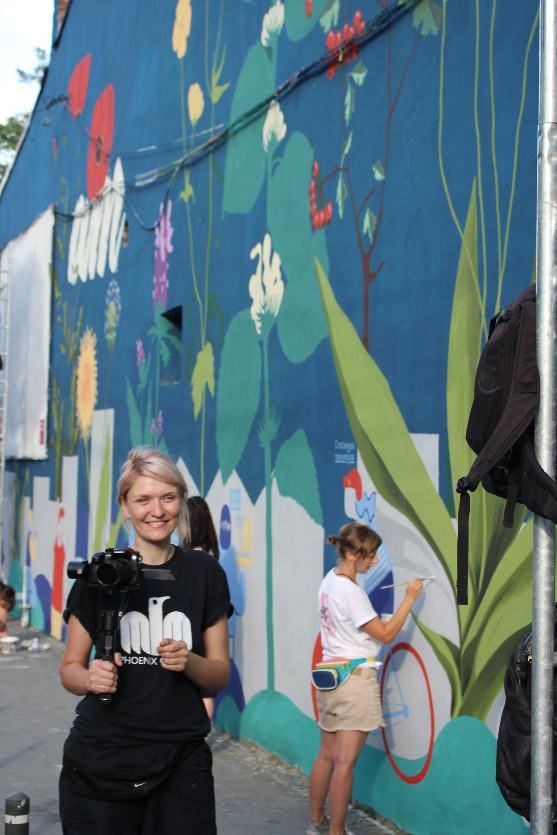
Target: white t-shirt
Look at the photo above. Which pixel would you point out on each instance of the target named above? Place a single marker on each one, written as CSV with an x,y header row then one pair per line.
x,y
343,608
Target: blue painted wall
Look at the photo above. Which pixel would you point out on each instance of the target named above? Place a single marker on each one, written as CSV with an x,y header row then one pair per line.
x,y
321,365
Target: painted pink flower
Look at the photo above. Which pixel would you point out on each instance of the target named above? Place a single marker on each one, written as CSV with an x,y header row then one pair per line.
x,y
140,352
163,246
159,422
163,232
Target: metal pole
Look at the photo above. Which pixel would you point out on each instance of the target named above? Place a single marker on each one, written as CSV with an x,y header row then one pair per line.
x,y
543,576
16,816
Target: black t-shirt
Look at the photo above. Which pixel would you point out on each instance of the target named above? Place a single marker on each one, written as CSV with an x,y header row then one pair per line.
x,y
152,703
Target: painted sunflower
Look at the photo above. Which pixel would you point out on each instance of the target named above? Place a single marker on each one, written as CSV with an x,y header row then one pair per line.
x,y
86,382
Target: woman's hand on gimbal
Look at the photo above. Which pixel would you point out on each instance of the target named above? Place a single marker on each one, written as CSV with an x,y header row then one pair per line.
x,y
103,675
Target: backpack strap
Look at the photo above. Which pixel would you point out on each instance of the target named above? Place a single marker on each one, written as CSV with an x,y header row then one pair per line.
x,y
512,493
462,550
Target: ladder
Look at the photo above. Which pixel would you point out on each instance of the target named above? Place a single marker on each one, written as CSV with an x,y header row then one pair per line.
x,y
5,285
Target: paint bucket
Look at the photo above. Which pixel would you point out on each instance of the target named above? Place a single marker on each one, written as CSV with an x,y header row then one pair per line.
x,y
8,644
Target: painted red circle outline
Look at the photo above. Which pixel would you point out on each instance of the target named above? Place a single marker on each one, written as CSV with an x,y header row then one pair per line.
x,y
414,778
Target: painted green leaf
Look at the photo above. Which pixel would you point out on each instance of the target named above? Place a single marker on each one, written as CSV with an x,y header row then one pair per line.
x,y
136,435
148,422
447,654
346,148
217,89
203,375
238,389
464,347
349,103
187,193
505,624
301,324
296,475
382,437
503,602
358,74
329,15
369,223
296,22
378,171
341,195
102,499
488,538
245,157
427,17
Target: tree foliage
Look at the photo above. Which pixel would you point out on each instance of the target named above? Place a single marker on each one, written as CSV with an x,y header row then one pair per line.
x,y
11,130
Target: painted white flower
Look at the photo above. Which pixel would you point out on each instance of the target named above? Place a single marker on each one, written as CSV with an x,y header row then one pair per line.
x,y
274,128
266,286
273,22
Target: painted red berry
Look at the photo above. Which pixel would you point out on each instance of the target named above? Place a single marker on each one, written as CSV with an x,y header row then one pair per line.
x,y
321,216
309,7
357,19
315,169
330,40
338,38
328,212
345,30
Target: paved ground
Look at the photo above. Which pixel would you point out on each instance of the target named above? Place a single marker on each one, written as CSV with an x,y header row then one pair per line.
x,y
257,793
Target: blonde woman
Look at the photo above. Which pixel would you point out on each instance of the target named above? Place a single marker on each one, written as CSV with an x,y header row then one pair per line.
x,y
141,763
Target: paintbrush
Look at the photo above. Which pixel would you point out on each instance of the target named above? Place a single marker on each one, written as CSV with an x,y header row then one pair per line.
x,y
392,586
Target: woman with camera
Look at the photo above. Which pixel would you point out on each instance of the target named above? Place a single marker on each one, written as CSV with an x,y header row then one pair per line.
x,y
139,763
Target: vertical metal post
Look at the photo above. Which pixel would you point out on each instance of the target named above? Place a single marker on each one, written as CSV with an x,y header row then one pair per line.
x,y
543,577
16,816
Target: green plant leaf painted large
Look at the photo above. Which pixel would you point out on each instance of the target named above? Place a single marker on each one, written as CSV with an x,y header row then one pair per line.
x,y
301,325
238,390
382,437
296,475
245,156
501,578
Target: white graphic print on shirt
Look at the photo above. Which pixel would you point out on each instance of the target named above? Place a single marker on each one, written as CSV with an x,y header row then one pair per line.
x,y
142,634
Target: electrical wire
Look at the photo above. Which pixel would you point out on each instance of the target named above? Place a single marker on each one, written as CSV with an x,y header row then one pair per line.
x,y
170,171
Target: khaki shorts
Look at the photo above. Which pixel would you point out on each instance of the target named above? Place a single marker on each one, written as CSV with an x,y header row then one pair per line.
x,y
354,706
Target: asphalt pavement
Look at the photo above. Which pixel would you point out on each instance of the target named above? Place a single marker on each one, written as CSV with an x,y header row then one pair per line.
x,y
256,792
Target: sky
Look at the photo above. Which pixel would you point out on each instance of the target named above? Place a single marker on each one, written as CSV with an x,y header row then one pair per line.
x,y
24,25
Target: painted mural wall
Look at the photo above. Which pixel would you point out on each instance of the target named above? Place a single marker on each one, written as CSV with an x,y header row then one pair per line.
x,y
281,230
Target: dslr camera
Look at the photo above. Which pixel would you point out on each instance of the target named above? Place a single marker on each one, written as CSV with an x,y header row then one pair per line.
x,y
115,569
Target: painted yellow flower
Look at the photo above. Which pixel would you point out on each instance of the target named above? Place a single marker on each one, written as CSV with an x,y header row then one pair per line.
x,y
182,27
86,394
196,103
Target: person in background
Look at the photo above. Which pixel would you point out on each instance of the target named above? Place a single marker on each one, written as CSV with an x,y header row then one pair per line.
x,y
140,763
203,537
350,629
7,603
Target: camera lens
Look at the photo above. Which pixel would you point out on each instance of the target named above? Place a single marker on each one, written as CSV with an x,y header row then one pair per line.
x,y
114,573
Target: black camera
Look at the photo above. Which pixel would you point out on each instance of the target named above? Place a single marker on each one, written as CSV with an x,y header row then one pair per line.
x,y
115,568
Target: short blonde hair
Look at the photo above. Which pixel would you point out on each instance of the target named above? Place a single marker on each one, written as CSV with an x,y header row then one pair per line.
x,y
151,463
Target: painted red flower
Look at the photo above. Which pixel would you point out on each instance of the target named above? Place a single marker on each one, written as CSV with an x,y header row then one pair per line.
x,y
100,145
77,87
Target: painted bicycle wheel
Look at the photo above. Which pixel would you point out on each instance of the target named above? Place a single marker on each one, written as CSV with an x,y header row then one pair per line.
x,y
404,689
